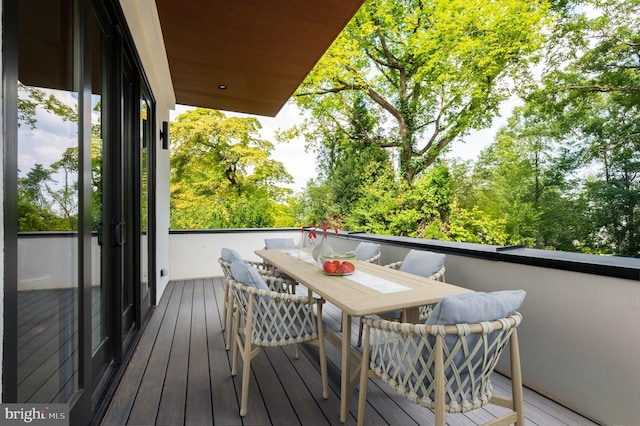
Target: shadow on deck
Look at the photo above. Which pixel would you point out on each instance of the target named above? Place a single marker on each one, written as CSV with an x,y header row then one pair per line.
x,y
181,374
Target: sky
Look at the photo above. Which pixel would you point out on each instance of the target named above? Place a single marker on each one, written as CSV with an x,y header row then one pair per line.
x,y
302,165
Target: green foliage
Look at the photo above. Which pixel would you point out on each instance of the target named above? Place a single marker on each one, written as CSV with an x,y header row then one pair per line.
x,y
416,75
33,219
221,174
475,226
44,207
563,174
589,97
32,189
44,202
31,97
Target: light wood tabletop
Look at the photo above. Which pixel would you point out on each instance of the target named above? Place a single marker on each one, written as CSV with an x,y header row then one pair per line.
x,y
371,289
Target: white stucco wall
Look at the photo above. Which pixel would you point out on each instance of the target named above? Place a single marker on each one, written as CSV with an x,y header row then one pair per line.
x,y
196,255
579,342
162,210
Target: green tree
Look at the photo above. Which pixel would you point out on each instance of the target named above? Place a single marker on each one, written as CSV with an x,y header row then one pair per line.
x,y
221,173
612,190
524,178
426,71
590,95
390,206
32,187
65,197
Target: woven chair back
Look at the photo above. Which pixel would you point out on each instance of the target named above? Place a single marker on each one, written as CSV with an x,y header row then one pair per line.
x,y
405,357
275,318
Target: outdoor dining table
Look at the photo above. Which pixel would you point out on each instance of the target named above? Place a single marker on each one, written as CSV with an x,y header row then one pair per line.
x,y
369,290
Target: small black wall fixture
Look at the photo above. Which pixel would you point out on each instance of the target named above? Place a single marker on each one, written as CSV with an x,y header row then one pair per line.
x,y
164,135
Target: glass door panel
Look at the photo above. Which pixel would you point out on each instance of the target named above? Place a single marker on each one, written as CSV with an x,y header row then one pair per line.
x,y
48,200
146,141
129,212
99,240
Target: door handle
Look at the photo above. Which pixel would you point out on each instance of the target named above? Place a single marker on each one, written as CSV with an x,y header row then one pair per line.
x,y
100,233
119,233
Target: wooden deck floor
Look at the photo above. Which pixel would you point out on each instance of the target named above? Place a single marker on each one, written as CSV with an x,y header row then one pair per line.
x,y
181,374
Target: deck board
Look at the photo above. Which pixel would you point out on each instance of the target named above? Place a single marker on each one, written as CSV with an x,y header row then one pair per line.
x,y
181,374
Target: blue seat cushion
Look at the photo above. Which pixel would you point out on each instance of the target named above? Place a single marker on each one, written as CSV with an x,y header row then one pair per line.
x,y
229,255
248,275
393,315
279,243
423,263
471,308
366,251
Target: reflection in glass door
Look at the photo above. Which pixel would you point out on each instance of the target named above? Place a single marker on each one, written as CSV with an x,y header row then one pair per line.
x,y
48,200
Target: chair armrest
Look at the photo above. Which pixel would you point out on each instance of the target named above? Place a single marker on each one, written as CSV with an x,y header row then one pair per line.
x,y
439,276
277,295
375,259
263,268
280,283
394,265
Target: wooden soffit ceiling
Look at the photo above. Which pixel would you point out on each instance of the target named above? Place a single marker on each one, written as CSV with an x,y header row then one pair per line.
x,y
259,50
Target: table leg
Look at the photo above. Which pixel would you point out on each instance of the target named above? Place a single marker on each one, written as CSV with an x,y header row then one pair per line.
x,y
345,377
413,315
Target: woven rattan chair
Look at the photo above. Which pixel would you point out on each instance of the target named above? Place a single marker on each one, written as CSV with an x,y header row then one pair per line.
x,y
276,282
267,318
446,368
424,310
279,243
424,259
368,252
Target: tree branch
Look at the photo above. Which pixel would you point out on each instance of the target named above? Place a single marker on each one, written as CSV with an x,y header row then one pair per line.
x,y
604,89
331,90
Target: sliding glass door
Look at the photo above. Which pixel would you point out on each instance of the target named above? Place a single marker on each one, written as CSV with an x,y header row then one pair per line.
x,y
79,145
48,201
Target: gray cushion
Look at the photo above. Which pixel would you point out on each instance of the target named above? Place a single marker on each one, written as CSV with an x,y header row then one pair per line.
x,y
423,263
471,308
229,255
366,251
248,275
474,307
279,243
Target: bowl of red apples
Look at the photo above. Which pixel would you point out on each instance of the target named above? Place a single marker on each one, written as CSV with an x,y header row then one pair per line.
x,y
338,264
